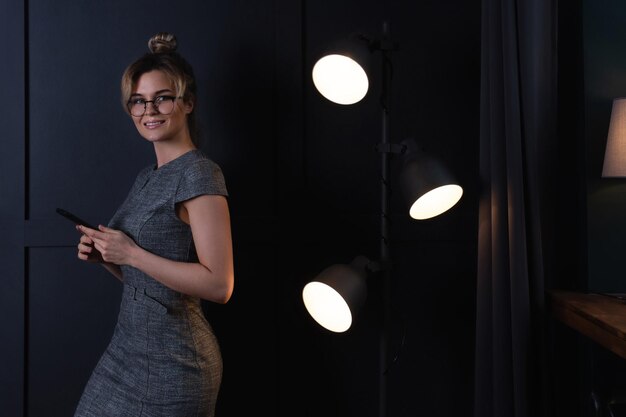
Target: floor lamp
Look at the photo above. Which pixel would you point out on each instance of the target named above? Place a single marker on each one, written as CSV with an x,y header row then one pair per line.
x,y
334,297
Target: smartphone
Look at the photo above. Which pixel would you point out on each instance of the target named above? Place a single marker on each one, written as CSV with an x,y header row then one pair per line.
x,y
75,219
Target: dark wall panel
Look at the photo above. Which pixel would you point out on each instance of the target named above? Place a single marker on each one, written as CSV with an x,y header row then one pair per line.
x,y
72,313
12,257
246,329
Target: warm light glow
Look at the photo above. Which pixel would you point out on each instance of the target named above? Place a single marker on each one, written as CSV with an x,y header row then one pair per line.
x,y
340,79
615,151
327,307
436,201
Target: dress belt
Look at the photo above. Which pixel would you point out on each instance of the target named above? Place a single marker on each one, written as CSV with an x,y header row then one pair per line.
x,y
139,294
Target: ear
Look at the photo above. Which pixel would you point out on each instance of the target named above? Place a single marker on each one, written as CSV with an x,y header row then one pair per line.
x,y
188,106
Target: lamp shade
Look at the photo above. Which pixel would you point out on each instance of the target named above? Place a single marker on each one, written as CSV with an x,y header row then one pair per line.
x,y
335,296
340,74
428,186
615,152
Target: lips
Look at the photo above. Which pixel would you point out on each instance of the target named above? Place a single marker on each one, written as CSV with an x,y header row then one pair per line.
x,y
152,124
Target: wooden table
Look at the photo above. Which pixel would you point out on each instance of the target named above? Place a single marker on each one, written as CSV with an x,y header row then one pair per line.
x,y
601,317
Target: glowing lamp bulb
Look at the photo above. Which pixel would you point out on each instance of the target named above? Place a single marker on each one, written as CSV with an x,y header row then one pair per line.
x,y
327,307
436,201
340,79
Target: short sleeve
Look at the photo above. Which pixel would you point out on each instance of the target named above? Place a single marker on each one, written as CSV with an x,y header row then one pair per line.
x,y
201,177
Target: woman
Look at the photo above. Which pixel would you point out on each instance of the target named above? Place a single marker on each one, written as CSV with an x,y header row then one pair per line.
x,y
170,245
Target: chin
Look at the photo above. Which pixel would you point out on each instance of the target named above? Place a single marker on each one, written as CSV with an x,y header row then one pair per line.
x,y
152,137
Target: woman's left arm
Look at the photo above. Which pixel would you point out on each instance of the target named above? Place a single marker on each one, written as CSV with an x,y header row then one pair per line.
x,y
211,278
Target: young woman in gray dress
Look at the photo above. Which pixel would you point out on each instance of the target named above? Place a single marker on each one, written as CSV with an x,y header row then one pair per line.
x,y
170,245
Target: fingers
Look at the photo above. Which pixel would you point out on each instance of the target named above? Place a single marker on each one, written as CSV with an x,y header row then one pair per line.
x,y
86,240
104,244
96,234
82,248
92,233
84,252
83,256
85,244
87,250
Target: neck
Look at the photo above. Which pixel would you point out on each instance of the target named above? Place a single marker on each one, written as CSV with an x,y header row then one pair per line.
x,y
167,151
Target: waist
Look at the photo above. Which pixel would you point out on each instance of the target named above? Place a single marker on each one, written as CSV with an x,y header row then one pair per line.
x,y
159,298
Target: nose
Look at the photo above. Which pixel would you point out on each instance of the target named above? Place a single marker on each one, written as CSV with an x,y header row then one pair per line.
x,y
151,108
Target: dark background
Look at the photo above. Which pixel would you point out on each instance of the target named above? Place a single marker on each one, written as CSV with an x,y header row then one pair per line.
x,y
604,80
303,178
592,72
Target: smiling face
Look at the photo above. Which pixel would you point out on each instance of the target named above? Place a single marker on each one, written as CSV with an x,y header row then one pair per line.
x,y
153,125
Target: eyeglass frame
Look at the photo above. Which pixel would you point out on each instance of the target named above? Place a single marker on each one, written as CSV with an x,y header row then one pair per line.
x,y
154,104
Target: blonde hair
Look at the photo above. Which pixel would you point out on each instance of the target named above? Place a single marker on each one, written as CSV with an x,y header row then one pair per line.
x,y
163,57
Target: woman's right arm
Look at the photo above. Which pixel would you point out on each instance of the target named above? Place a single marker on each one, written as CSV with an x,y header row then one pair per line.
x,y
88,253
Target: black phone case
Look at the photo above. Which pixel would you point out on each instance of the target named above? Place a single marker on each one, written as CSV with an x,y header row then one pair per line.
x,y
74,219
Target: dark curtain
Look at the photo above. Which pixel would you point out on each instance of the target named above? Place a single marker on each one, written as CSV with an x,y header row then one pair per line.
x,y
517,141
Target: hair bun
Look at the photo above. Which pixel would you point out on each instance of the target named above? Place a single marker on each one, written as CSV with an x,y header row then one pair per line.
x,y
162,42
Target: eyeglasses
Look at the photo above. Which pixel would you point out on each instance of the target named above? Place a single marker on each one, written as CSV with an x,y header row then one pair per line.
x,y
162,104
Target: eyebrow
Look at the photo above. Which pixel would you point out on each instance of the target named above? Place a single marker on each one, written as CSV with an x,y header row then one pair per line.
x,y
155,94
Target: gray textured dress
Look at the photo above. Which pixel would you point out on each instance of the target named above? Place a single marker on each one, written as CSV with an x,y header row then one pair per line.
x,y
163,359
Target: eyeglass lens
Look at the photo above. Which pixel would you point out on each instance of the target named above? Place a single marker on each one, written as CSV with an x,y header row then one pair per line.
x,y
162,104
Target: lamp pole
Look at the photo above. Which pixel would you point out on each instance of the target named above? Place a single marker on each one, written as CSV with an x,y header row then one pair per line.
x,y
385,149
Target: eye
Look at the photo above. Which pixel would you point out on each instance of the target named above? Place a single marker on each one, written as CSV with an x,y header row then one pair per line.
x,y
160,99
137,101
